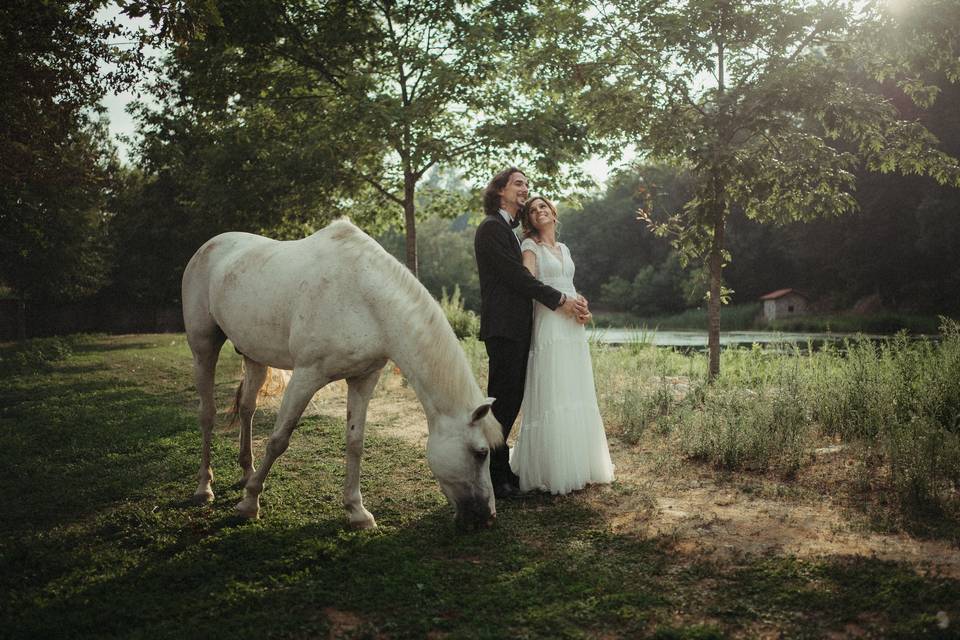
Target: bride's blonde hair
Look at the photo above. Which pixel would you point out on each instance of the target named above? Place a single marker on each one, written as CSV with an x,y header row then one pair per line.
x,y
529,231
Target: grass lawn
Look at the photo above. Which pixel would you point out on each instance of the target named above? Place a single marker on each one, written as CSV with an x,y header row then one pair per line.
x,y
96,540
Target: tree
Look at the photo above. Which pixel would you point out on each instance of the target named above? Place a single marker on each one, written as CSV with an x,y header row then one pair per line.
x,y
758,101
56,162
603,234
378,91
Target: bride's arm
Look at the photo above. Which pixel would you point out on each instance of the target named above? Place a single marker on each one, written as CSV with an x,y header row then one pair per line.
x,y
530,262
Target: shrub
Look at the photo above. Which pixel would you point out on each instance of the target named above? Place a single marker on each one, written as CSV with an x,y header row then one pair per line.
x,y
465,323
741,429
636,408
902,397
33,355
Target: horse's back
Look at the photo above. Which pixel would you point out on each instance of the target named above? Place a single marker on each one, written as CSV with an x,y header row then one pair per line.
x,y
272,297
198,274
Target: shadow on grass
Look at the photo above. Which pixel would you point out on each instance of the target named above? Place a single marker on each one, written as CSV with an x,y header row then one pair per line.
x,y
75,450
99,541
106,345
217,578
549,569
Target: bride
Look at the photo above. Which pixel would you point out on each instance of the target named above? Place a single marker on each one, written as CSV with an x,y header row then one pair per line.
x,y
562,446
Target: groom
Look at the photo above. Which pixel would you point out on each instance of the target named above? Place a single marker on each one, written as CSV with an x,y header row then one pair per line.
x,y
506,310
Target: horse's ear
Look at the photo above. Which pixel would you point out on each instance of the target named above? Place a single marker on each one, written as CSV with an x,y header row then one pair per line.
x,y
480,412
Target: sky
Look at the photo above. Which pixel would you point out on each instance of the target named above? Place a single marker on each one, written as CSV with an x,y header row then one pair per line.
x,y
121,123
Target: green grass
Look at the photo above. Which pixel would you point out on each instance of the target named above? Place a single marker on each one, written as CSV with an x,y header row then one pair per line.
x,y
96,541
896,402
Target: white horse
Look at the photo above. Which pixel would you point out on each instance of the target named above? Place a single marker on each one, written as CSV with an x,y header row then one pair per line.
x,y
334,306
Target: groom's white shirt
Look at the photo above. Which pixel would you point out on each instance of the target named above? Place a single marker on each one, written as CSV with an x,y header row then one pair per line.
x,y
509,220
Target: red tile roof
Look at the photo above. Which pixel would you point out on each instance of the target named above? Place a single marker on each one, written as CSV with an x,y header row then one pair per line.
x,y
779,293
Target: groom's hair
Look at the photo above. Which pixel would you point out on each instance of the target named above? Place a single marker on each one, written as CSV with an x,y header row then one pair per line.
x,y
491,195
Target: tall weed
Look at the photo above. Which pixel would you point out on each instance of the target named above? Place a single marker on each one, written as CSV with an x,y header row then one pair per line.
x,y
736,427
638,407
465,323
901,397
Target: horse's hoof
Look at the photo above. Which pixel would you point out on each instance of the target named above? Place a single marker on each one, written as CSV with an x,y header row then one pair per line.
x,y
202,497
360,525
244,511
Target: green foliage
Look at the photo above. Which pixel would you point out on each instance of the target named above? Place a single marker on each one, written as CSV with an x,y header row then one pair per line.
x,y
637,408
465,323
898,400
659,290
739,317
763,103
58,163
900,397
445,256
262,133
32,356
758,425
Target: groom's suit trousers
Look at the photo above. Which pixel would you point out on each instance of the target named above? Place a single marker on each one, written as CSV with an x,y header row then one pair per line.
x,y
508,371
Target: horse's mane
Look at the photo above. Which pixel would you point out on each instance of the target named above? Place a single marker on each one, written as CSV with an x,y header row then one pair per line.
x,y
418,315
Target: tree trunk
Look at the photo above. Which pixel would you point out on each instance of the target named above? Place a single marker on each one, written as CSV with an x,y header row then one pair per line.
x,y
718,214
715,264
21,317
410,220
713,315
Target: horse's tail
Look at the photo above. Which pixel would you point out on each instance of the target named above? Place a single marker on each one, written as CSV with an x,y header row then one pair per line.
x,y
274,386
235,409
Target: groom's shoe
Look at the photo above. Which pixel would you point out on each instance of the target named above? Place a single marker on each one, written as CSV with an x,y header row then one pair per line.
x,y
504,490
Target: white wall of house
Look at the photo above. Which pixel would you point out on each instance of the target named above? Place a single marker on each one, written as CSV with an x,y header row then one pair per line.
x,y
784,307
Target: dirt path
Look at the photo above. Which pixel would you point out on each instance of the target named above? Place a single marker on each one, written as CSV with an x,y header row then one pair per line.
x,y
705,514
696,508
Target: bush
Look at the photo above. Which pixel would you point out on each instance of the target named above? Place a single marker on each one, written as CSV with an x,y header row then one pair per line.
x,y
741,428
465,323
637,408
895,402
903,397
33,355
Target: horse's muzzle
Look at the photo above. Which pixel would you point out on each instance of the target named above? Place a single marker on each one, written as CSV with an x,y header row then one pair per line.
x,y
474,514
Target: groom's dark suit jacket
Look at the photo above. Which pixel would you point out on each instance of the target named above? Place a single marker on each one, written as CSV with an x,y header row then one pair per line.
x,y
506,287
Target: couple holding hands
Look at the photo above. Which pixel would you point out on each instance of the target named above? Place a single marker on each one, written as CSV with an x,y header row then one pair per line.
x,y
538,352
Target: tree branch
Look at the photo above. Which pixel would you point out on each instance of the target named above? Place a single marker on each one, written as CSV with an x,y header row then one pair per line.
x,y
315,62
376,185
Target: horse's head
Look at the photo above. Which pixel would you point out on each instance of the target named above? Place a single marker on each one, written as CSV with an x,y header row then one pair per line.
x,y
458,452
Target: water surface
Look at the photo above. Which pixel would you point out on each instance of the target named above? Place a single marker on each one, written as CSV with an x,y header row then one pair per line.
x,y
696,339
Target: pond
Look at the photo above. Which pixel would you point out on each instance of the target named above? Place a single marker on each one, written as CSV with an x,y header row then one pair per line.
x,y
698,339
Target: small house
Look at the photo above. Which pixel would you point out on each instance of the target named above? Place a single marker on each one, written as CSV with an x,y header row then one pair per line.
x,y
784,303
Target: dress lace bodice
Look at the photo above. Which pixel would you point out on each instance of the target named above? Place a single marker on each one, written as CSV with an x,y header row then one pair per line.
x,y
554,269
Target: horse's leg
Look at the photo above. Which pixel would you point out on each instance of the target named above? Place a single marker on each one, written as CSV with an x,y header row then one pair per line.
x,y
205,354
359,391
254,375
303,384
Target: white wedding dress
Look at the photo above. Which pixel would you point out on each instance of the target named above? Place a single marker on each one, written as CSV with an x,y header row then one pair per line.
x,y
562,446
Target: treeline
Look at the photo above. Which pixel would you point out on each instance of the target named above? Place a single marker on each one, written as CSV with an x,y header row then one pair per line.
x,y
898,252
798,169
